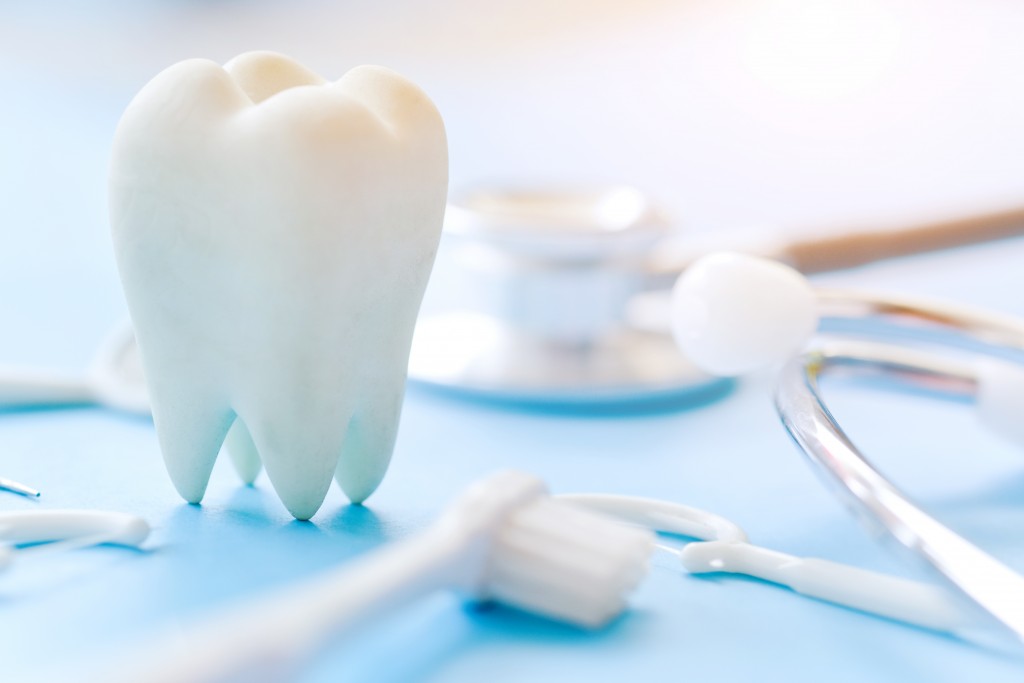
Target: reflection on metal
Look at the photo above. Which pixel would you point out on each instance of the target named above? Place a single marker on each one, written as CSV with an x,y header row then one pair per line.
x,y
544,280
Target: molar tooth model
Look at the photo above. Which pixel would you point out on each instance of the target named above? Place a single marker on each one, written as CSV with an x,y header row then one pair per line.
x,y
274,234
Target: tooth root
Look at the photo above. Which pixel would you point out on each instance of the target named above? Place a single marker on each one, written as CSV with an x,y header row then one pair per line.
x,y
366,451
299,454
190,432
242,450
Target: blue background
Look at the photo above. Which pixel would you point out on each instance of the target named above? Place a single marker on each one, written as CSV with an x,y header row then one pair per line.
x,y
59,294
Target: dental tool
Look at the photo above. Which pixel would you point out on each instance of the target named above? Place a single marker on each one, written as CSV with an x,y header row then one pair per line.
x,y
733,313
911,602
18,488
543,279
838,248
64,530
719,306
113,380
992,586
724,547
505,539
274,234
549,292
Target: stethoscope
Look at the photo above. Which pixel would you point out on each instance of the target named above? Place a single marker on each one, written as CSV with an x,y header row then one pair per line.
x,y
555,296
714,326
734,313
881,505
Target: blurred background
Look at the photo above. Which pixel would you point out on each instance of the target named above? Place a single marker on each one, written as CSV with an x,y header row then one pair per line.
x,y
777,111
806,116
783,113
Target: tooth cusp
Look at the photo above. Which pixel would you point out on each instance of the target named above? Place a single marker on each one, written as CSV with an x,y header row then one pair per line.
x,y
264,74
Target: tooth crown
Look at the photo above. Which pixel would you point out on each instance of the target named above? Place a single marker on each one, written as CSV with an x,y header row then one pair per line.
x,y
274,235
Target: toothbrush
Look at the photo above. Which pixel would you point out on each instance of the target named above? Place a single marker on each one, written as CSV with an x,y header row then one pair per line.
x,y
505,539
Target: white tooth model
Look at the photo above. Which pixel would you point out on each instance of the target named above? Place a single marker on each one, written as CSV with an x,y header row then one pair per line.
x,y
274,234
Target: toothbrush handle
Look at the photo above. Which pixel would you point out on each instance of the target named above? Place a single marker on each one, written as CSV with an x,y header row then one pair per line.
x,y
904,600
20,387
267,638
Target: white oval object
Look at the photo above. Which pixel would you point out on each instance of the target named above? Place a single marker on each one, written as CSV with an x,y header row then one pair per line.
x,y
1000,399
733,313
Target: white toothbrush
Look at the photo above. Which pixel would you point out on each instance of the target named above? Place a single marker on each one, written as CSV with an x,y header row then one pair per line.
x,y
505,539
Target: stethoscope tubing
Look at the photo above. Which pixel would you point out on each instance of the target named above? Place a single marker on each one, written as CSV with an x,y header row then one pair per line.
x,y
988,583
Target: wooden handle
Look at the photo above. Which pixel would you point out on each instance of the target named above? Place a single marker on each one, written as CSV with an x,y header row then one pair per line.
x,y
858,247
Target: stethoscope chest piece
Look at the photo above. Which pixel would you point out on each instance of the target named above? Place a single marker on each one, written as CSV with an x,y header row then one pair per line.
x,y
542,281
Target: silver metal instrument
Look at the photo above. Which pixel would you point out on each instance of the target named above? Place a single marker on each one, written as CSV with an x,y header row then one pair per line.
x,y
556,293
543,280
18,488
988,583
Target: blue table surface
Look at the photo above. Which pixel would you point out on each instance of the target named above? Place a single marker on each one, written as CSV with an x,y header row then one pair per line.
x,y
59,294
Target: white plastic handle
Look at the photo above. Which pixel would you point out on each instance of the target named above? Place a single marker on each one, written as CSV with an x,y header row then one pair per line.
x,y
723,548
69,529
908,601
661,516
26,388
266,638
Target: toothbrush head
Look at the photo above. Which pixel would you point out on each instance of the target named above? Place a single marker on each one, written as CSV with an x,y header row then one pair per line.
x,y
550,557
733,313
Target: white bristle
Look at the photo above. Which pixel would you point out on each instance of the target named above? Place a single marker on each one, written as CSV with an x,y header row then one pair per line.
x,y
569,564
733,313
